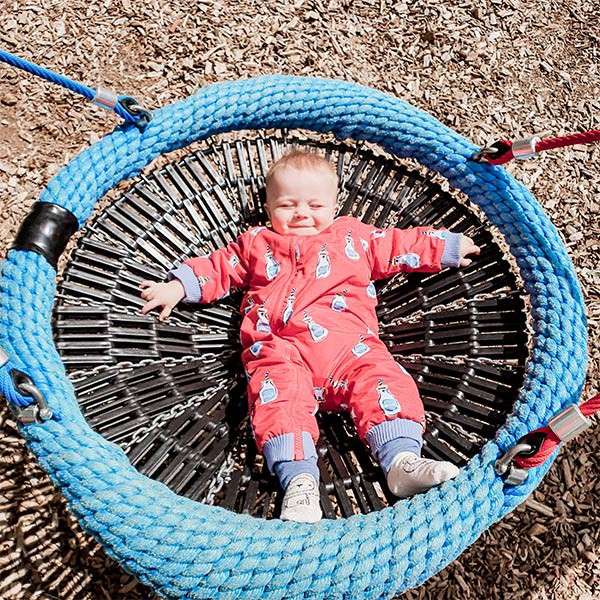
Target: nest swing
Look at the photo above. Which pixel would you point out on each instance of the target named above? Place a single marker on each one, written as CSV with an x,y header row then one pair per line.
x,y
168,398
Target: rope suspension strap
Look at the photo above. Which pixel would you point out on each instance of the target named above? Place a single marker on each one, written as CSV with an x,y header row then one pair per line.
x,y
533,449
126,107
503,151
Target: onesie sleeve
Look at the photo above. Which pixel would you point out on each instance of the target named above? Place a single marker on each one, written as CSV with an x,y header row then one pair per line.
x,y
416,249
209,278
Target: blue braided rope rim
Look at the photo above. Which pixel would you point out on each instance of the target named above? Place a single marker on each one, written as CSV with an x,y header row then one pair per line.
x,y
183,549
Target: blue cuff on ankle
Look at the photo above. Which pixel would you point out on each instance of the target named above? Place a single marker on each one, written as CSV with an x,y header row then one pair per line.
x,y
286,470
389,438
281,447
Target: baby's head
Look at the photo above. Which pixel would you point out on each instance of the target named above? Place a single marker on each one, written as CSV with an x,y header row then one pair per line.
x,y
301,194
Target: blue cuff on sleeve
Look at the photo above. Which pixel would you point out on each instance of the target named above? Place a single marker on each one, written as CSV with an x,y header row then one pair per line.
x,y
451,255
189,281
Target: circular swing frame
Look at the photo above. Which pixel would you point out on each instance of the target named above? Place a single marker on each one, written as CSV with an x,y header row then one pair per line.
x,y
184,549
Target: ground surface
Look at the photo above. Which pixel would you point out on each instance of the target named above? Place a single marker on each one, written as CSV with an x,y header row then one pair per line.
x,y
489,69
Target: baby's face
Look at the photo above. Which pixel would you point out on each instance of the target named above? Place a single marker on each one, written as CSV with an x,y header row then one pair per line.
x,y
301,201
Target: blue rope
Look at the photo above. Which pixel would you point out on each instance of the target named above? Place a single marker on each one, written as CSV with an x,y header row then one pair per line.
x,y
183,549
88,93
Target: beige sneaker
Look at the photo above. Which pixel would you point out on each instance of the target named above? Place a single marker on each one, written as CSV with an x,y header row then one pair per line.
x,y
411,474
301,501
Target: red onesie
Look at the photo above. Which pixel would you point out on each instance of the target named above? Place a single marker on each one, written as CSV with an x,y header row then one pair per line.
x,y
309,331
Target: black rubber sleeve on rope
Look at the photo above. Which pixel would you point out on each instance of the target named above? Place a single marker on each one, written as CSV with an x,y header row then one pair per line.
x,y
46,230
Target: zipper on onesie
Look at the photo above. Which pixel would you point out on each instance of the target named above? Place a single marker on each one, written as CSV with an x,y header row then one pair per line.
x,y
289,296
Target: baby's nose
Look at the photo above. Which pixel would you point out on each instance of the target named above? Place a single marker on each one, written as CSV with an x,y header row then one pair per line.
x,y
302,210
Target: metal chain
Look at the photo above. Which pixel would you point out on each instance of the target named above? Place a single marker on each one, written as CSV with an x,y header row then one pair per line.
x,y
87,302
168,361
455,304
471,436
222,477
174,412
460,360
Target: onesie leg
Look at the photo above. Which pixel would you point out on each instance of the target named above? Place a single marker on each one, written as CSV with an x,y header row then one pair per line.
x,y
383,399
389,416
282,411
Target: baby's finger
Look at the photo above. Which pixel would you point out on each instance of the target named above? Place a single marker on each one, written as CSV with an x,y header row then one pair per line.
x,y
144,284
147,295
150,305
164,315
465,262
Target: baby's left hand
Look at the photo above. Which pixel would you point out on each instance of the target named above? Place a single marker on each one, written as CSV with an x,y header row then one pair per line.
x,y
467,247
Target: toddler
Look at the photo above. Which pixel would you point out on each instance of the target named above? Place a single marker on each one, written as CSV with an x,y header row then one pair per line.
x,y
309,329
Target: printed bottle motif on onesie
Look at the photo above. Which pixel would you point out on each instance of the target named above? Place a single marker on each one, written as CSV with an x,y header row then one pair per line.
x,y
268,391
234,261
411,259
289,306
323,264
319,394
441,235
249,305
378,233
389,405
349,248
272,266
364,244
339,303
371,291
360,349
336,384
317,332
256,348
262,324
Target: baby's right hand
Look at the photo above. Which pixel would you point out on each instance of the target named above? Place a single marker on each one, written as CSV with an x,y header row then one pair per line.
x,y
166,295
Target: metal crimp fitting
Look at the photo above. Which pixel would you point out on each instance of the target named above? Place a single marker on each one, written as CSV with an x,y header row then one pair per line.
x,y
569,423
525,147
105,98
3,358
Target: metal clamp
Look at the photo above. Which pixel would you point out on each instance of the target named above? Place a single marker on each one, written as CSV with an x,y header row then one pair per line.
x,y
492,151
3,358
105,98
503,466
132,106
569,423
34,413
525,148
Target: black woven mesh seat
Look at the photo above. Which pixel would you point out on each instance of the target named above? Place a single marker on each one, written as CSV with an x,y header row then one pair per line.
x,y
173,394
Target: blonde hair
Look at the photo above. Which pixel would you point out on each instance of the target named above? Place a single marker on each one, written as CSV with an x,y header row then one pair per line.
x,y
300,159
